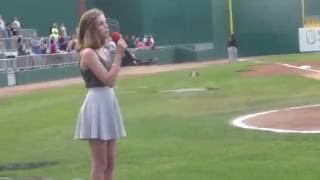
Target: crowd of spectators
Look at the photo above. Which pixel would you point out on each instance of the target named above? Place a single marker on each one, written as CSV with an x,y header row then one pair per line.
x,y
134,43
10,29
57,42
147,42
58,39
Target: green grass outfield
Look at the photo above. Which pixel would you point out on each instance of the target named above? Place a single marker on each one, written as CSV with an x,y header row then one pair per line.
x,y
184,136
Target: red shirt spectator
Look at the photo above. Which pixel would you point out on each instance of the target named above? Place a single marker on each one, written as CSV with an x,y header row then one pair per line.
x,y
53,47
149,41
139,44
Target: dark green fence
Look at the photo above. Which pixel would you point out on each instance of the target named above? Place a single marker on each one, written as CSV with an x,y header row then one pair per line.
x,y
267,27
41,14
170,21
39,75
262,27
177,54
312,7
3,79
219,26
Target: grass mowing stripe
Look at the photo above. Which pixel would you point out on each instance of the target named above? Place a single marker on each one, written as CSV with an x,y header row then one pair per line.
x,y
170,136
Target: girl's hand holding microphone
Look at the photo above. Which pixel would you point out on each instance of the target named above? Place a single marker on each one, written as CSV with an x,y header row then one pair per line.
x,y
121,46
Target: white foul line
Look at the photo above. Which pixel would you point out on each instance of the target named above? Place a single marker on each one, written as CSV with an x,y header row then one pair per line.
x,y
239,122
297,67
289,65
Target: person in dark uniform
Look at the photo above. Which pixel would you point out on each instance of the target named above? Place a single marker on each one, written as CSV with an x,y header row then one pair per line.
x,y
232,45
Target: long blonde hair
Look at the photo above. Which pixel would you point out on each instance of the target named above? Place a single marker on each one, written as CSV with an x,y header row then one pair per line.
x,y
87,34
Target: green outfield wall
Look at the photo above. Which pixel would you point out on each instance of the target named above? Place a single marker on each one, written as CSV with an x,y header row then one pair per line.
x,y
219,25
178,54
267,27
312,7
41,14
262,27
3,79
40,75
170,21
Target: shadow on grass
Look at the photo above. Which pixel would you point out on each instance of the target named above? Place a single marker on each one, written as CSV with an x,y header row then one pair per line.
x,y
25,166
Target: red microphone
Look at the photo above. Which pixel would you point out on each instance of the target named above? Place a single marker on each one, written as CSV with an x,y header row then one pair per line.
x,y
115,36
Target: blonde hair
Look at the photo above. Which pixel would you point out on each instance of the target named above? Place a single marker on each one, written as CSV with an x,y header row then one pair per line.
x,y
87,35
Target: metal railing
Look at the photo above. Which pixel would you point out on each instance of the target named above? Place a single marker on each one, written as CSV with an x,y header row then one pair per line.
x,y
10,44
43,61
23,32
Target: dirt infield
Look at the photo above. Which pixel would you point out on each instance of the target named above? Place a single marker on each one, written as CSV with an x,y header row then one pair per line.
x,y
289,120
297,119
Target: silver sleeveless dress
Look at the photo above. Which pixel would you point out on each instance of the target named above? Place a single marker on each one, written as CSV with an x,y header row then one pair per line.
x,y
99,116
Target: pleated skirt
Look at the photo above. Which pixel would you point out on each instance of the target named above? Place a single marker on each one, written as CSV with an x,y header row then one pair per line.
x,y
100,116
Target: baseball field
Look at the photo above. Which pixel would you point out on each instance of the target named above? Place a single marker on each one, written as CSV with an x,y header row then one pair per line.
x,y
173,131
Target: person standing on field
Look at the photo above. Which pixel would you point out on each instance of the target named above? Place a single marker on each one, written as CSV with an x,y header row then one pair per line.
x,y
99,121
232,45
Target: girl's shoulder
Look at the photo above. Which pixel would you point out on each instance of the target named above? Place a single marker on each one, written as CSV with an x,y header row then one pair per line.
x,y
88,55
87,52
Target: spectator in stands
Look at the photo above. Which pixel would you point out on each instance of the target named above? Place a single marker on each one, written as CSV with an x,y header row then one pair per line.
x,y
44,45
62,43
2,23
15,26
72,44
63,31
2,27
139,43
73,41
144,40
110,45
150,41
21,47
131,42
54,32
35,45
53,46
232,45
126,38
8,30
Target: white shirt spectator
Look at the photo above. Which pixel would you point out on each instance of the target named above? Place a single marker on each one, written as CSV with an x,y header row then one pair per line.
x,y
111,46
16,24
2,25
144,40
63,30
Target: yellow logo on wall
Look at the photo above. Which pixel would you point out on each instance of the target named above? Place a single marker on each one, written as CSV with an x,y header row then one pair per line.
x,y
312,21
